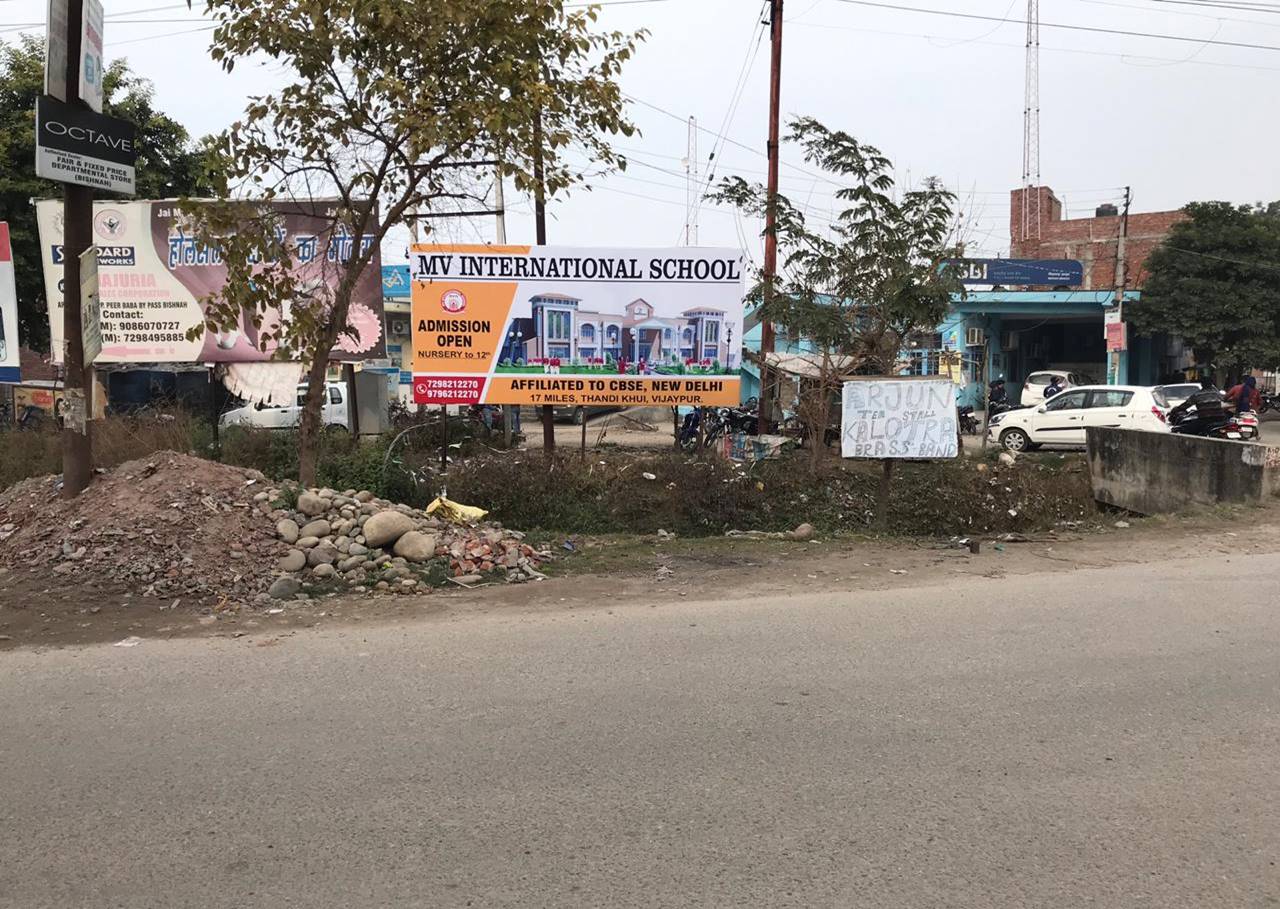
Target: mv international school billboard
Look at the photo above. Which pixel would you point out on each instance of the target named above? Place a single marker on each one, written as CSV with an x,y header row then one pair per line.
x,y
576,326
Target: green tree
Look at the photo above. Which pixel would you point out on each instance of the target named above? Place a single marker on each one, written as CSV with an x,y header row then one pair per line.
x,y
1215,282
856,288
383,98
168,163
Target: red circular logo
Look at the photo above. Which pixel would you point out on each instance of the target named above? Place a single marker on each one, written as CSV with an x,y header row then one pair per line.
x,y
453,301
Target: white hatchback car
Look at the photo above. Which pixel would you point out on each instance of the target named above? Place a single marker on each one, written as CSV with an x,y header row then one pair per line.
x,y
1063,419
1037,382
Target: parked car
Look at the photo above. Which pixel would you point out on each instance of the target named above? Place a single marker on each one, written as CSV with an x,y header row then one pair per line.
x,y
576,414
1037,382
1062,419
1170,396
334,414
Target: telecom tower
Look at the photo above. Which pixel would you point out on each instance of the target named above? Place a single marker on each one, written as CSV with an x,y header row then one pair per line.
x,y
1031,128
692,190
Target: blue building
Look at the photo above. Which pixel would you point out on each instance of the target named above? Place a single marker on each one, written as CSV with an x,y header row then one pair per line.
x,y
1010,334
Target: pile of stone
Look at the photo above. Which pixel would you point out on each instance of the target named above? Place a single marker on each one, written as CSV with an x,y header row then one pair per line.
x,y
355,539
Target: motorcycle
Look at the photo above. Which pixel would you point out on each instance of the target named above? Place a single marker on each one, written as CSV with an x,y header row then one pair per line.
x,y
1248,423
1269,402
968,422
1224,428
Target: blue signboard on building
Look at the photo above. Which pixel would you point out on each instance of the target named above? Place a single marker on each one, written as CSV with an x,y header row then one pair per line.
x,y
1038,272
395,281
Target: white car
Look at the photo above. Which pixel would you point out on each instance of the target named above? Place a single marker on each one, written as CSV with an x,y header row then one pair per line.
x,y
1037,382
334,414
1063,418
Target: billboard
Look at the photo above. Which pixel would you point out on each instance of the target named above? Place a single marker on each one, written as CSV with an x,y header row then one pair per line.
x,y
154,277
395,281
10,358
576,326
1043,272
899,418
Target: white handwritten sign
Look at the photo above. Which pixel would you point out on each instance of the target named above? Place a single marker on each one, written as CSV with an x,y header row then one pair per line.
x,y
899,418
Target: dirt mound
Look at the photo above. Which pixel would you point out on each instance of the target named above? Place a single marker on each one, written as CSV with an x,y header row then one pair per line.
x,y
173,526
169,525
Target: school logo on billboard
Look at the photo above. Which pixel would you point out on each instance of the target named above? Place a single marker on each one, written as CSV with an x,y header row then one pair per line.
x,y
453,301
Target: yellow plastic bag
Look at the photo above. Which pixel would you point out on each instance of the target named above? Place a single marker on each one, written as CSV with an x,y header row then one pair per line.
x,y
452,511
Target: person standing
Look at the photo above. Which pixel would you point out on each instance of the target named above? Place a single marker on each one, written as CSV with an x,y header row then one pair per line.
x,y
1245,396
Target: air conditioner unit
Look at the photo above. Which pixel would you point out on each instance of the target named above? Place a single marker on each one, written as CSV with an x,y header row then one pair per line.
x,y
397,326
975,337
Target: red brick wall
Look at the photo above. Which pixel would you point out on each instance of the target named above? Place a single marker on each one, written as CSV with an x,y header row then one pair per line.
x,y
1090,240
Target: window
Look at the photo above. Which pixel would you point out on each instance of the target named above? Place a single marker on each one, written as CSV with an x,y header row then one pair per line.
x,y
667,335
687,335
557,324
588,331
1068,400
1038,379
711,333
335,395
1110,398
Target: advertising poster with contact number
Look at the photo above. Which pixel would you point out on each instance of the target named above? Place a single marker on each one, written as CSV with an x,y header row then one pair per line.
x,y
155,277
576,326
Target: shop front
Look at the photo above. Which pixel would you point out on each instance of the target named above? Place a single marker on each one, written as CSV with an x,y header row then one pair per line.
x,y
1012,334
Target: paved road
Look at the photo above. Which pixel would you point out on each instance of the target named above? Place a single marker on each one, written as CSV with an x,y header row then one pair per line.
x,y
1107,738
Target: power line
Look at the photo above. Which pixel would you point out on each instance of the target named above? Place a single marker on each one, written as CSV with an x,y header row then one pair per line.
x,y
1050,48
1208,4
1077,28
1179,12
1192,252
185,31
735,98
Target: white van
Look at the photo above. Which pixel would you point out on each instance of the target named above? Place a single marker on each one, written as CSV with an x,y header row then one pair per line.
x,y
333,415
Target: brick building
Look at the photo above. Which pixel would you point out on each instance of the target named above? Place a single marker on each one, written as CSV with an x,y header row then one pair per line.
x,y
1091,241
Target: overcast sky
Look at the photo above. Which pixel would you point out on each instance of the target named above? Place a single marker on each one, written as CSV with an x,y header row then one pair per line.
x,y
940,95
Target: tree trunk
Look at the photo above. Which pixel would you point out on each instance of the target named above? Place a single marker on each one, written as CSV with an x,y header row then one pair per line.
x,y
310,427
818,428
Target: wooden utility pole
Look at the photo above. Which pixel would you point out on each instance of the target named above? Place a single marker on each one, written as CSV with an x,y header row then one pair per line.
x,y
77,216
540,226
771,211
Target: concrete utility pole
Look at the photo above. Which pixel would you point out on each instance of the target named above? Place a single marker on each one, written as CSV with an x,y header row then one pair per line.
x,y
77,216
500,234
1121,277
771,209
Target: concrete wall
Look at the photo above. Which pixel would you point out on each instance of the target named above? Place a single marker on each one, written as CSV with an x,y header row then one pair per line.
x,y
1155,472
